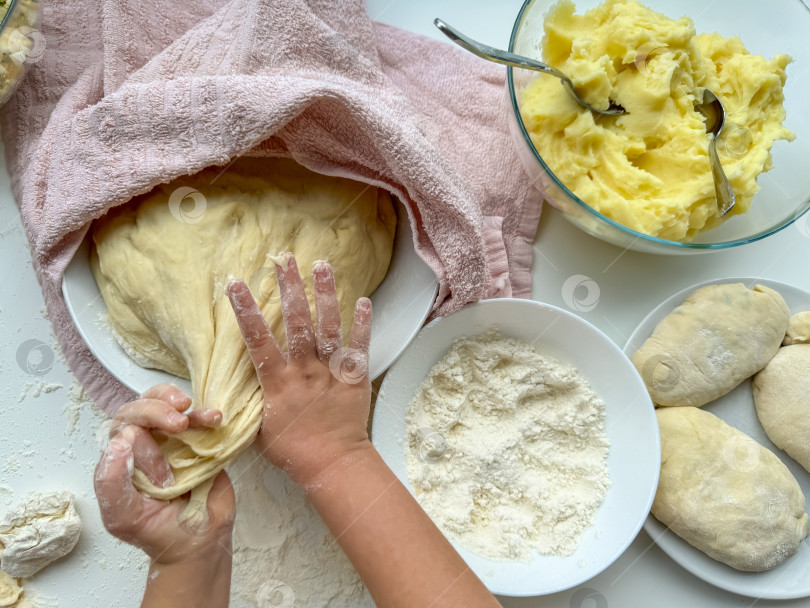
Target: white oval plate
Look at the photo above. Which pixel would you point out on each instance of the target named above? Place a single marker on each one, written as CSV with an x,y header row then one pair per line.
x,y
633,460
396,318
792,578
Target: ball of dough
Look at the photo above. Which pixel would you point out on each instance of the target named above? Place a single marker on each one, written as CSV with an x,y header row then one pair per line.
x,y
798,331
719,336
163,261
725,494
782,399
40,531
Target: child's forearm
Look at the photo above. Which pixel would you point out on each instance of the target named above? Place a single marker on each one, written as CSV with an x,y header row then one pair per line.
x,y
206,584
400,554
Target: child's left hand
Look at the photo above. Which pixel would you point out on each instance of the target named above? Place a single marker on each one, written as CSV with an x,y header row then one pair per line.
x,y
154,525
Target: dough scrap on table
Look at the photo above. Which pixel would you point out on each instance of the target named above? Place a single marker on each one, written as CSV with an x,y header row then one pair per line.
x,y
725,494
10,590
720,335
782,400
649,169
41,530
162,263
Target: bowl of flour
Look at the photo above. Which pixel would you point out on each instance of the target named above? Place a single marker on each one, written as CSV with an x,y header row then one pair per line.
x,y
527,436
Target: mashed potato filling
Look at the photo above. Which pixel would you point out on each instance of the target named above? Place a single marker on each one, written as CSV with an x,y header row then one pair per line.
x,y
649,168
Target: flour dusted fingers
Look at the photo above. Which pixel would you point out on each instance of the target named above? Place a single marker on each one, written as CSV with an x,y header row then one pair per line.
x,y
117,497
137,418
148,457
261,344
152,414
162,416
361,329
295,310
169,393
328,336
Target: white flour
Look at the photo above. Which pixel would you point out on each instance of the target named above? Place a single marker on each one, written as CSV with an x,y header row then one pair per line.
x,y
284,556
507,449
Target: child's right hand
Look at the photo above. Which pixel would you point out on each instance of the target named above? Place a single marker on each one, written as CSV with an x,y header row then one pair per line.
x,y
313,416
314,427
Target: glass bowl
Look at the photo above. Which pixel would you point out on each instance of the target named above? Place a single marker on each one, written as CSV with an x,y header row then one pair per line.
x,y
21,42
785,189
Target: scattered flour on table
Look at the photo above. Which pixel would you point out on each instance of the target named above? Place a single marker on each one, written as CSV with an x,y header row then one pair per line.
x,y
283,554
507,449
35,389
12,466
78,401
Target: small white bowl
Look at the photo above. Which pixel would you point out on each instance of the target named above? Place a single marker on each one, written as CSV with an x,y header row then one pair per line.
x,y
635,452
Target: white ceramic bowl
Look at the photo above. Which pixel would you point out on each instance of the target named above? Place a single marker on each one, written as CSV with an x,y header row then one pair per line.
x,y
396,319
791,579
635,452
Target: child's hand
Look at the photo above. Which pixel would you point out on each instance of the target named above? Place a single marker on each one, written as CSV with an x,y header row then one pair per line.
x,y
314,427
155,525
317,395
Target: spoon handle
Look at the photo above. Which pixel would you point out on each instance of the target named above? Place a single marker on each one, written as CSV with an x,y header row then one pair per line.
x,y
497,55
722,188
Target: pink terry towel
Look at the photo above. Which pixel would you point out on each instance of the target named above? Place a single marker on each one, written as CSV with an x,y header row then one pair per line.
x,y
132,93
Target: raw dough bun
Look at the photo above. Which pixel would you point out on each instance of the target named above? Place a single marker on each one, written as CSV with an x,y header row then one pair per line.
x,y
719,336
725,494
162,271
798,331
782,399
10,590
43,529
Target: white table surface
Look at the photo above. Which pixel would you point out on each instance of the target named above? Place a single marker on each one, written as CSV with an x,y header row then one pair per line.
x,y
42,449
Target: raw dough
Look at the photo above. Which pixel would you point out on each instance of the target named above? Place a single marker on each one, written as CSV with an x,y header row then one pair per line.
x,y
782,399
10,590
719,336
798,331
162,270
43,529
725,494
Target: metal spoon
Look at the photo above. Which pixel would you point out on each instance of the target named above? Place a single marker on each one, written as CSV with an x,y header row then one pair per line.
x,y
715,114
518,61
711,107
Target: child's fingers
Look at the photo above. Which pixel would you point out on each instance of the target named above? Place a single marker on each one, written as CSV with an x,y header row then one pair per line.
x,y
353,367
361,329
152,414
329,337
149,458
118,499
261,344
169,393
295,310
206,418
221,498
202,418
